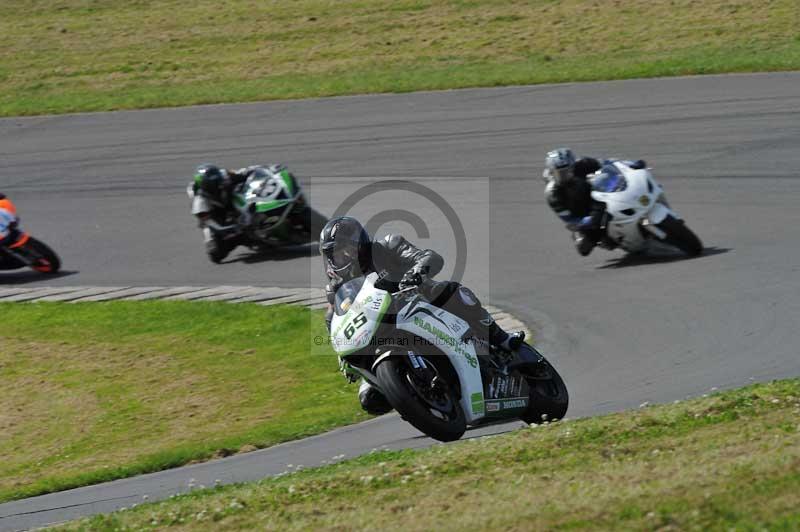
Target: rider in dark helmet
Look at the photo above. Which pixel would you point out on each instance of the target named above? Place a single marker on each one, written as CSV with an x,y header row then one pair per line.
x,y
215,185
213,204
346,248
569,194
348,252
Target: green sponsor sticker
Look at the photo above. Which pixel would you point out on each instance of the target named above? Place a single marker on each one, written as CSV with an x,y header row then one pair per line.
x,y
477,402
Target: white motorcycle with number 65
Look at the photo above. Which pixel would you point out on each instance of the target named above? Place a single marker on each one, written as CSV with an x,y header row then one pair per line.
x,y
427,363
638,218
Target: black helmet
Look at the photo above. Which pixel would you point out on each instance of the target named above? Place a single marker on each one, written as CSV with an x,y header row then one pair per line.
x,y
345,247
210,179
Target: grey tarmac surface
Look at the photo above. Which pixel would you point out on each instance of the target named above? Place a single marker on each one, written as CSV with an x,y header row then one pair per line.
x,y
107,191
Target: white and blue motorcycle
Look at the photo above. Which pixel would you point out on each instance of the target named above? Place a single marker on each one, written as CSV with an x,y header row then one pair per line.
x,y
428,364
638,218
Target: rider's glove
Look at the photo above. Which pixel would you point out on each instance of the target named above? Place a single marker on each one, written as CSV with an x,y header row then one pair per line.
x,y
411,278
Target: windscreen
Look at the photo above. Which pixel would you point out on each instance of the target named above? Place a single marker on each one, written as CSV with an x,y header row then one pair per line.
x,y
346,295
265,185
609,179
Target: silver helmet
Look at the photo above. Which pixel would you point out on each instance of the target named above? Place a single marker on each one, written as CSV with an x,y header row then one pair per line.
x,y
559,163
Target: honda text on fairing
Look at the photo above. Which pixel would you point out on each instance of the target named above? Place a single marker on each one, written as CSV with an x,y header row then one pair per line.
x,y
19,249
270,211
638,217
426,363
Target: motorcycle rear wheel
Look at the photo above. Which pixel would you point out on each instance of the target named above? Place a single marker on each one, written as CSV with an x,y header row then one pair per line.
x,y
549,398
394,376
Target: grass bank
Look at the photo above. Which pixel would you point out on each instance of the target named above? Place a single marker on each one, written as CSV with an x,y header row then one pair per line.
x,y
60,56
97,391
725,462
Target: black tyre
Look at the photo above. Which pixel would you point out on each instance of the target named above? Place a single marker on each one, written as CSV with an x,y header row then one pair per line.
x,y
680,236
441,418
217,250
45,259
549,399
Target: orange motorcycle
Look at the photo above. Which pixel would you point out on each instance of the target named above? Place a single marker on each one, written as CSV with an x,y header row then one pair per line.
x,y
18,249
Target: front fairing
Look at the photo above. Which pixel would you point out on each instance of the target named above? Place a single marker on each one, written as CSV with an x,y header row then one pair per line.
x,y
359,310
628,194
266,199
445,331
267,189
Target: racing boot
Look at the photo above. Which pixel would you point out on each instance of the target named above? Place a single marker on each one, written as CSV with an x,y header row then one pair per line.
x,y
507,341
583,243
372,401
497,336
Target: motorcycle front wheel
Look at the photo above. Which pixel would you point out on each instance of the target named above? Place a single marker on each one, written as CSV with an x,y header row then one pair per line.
x,y
680,236
44,259
218,247
437,413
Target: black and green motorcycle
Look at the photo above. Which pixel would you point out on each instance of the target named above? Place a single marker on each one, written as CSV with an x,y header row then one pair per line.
x,y
271,212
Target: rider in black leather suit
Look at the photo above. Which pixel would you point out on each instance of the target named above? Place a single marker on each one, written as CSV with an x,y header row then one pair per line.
x,y
569,194
349,252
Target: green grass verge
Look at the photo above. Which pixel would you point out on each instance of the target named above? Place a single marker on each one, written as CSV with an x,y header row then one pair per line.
x,y
97,391
726,462
62,56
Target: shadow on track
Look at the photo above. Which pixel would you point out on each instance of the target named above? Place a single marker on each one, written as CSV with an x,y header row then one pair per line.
x,y
30,276
644,259
276,254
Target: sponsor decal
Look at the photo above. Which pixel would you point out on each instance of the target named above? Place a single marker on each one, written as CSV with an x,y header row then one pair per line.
x,y
447,339
423,310
477,402
515,403
507,404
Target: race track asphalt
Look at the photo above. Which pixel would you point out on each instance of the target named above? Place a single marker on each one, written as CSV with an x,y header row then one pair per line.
x,y
107,191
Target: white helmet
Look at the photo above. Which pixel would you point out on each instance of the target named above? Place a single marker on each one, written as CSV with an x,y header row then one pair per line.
x,y
559,164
